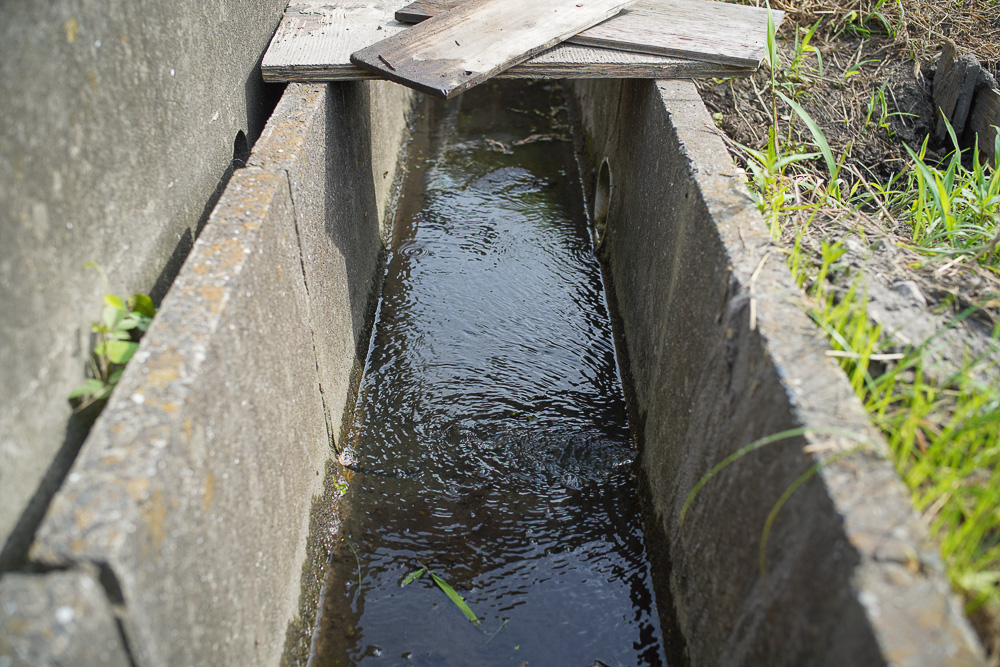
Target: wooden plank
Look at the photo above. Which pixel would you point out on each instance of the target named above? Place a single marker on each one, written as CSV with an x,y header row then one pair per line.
x,y
985,118
316,38
953,88
458,49
715,32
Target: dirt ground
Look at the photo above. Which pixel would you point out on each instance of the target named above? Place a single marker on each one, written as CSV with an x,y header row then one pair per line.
x,y
865,54
840,89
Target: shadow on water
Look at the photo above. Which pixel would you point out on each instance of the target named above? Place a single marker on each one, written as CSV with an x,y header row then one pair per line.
x,y
490,441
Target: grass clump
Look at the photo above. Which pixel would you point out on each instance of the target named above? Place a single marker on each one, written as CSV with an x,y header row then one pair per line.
x,y
945,436
954,210
943,432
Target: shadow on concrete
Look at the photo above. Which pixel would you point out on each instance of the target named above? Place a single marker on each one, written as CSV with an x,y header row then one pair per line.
x,y
351,208
261,99
14,554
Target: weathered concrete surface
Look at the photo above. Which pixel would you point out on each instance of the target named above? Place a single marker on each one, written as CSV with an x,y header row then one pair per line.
x,y
722,354
193,486
63,618
194,489
341,195
119,122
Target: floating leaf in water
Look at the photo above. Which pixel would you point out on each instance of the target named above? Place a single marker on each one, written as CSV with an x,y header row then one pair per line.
x,y
454,597
413,576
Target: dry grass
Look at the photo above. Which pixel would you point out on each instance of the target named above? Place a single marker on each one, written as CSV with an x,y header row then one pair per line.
x,y
919,25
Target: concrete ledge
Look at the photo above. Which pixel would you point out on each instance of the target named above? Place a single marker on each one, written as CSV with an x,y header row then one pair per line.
x,y
722,354
120,127
193,492
195,483
63,618
341,194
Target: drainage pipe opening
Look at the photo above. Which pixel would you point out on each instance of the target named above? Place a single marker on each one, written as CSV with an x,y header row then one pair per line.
x,y
602,201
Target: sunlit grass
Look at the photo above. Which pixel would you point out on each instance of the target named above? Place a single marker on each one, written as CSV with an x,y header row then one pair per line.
x,y
942,427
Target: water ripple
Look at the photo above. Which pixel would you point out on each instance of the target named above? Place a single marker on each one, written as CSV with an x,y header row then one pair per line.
x,y
490,440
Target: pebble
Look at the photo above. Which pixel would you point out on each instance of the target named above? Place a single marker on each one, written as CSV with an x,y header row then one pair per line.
x,y
911,291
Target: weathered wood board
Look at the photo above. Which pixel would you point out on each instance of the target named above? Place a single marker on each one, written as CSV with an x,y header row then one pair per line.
x,y
465,46
985,118
316,38
706,30
953,88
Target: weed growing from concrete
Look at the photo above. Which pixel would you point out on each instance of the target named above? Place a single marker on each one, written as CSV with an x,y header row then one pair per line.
x,y
122,324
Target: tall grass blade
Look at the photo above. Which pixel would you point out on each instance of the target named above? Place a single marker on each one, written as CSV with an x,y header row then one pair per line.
x,y
786,494
771,53
357,561
831,164
503,624
761,442
454,597
413,576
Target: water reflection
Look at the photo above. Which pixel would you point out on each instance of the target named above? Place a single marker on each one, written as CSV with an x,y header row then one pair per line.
x,y
490,436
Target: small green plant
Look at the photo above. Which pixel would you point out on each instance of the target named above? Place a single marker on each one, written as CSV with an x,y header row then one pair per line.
x,y
122,323
877,113
856,68
863,24
833,166
798,73
768,187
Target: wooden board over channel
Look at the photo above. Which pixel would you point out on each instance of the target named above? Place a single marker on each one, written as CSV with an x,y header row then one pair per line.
x,y
465,46
316,38
705,30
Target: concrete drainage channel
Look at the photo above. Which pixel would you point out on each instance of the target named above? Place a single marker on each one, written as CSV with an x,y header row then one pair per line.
x,y
180,534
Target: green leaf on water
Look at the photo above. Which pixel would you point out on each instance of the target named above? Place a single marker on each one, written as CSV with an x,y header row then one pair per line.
x,y
413,576
454,597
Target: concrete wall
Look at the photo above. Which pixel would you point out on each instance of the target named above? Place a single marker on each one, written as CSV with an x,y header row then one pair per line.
x,y
191,497
119,126
722,354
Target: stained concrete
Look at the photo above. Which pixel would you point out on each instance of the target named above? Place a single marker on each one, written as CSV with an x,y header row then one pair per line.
x,y
193,490
722,354
63,618
119,127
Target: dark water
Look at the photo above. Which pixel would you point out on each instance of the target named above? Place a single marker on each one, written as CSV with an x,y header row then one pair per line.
x,y
490,436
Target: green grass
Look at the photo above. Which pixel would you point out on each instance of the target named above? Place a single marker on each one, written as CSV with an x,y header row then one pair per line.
x,y
945,436
953,210
943,430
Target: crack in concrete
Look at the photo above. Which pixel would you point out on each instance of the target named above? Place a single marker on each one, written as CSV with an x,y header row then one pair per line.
x,y
331,439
